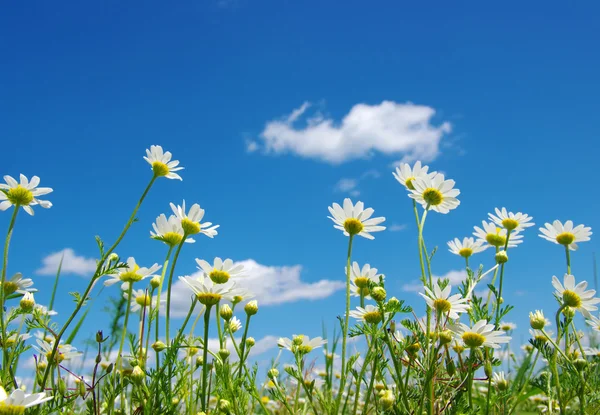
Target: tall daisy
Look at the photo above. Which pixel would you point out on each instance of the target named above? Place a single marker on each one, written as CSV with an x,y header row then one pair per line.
x,y
443,303
435,193
63,352
481,334
511,221
220,271
161,163
566,234
141,298
491,235
300,343
466,248
406,175
18,284
362,276
355,219
24,193
190,221
369,314
207,292
575,296
169,230
18,400
131,273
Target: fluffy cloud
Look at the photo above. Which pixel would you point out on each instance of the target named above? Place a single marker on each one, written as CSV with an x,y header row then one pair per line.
x,y
272,285
455,277
347,186
390,128
71,264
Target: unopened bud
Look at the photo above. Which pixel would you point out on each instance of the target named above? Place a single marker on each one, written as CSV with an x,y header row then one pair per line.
x,y
487,369
250,342
155,282
251,308
224,405
224,353
27,302
62,387
378,294
273,373
226,312
137,374
501,257
445,337
387,399
159,346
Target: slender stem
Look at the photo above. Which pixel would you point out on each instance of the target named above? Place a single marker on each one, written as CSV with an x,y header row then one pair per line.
x,y
499,299
568,254
205,358
124,332
470,377
169,284
219,331
160,286
243,345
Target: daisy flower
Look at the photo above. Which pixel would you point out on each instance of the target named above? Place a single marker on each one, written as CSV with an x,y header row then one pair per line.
x,y
491,235
14,339
466,248
565,234
362,276
592,351
190,222
435,193
207,292
64,351
235,324
239,294
499,380
511,221
24,193
131,273
141,298
406,175
221,271
441,301
481,334
355,219
575,296
18,284
356,291
539,335
300,343
161,163
169,230
507,326
369,314
18,400
593,322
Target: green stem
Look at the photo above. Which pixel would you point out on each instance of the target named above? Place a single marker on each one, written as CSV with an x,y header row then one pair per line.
x,y
568,254
160,287
2,293
169,284
219,331
205,358
243,345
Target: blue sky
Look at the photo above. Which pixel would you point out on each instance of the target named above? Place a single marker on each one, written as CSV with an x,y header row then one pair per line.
x,y
86,88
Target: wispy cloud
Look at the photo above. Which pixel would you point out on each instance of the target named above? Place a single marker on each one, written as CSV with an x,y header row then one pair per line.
x,y
71,264
397,227
389,128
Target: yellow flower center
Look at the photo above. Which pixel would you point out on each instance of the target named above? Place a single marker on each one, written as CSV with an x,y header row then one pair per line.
x,y
408,183
59,356
442,306
265,399
510,224
472,339
192,351
208,298
361,282
458,348
432,197
190,227
572,299
143,300
372,317
465,252
171,238
304,349
353,226
496,239
19,196
565,238
413,348
506,328
541,337
363,291
10,287
237,299
160,169
219,276
11,409
297,340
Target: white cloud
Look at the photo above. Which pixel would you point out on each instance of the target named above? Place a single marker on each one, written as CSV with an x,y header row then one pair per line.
x,y
397,227
390,128
71,264
455,277
272,285
251,146
346,185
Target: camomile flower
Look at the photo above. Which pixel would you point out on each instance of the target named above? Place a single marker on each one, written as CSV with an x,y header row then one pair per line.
x,y
64,351
356,291
435,193
539,335
235,324
161,163
355,219
369,314
362,276
481,334
575,296
239,294
131,273
18,401
507,326
141,298
511,221
23,194
406,175
206,291
593,322
565,234
169,230
491,235
16,338
190,222
444,304
300,343
43,310
466,248
18,284
221,271
499,380
592,351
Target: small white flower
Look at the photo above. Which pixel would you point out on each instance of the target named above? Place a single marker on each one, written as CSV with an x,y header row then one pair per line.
x,y
507,326
63,352
481,334
576,296
406,175
592,351
207,292
169,230
511,221
369,314
594,322
435,193
466,248
24,193
355,219
190,221
300,343
500,381
141,298
441,301
18,284
221,271
21,400
161,163
131,273
235,324
565,234
491,235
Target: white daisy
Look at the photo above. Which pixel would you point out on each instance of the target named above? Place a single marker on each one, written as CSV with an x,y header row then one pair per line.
x,y
161,163
362,276
221,271
14,339
207,292
466,248
18,284
481,334
576,296
565,234
141,298
19,400
24,193
500,380
64,351
406,175
190,222
300,343
369,314
539,335
593,322
435,193
235,324
239,294
592,351
491,235
441,301
355,219
507,326
511,221
356,291
131,273
169,230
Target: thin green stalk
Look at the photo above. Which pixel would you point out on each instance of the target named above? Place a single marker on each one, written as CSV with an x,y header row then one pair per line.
x,y
160,287
205,358
470,378
169,284
568,254
525,383
499,299
124,332
243,345
219,331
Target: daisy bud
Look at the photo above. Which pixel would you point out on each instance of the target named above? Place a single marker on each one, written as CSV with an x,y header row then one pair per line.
x,y
450,367
501,257
155,282
159,346
537,320
387,399
175,401
273,373
199,361
41,366
580,364
62,387
393,302
224,354
413,348
224,405
569,312
487,369
81,388
458,348
251,308
226,312
27,302
378,294
250,342
445,337
113,257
